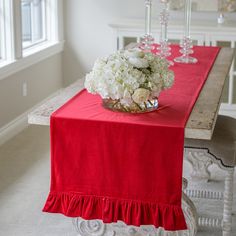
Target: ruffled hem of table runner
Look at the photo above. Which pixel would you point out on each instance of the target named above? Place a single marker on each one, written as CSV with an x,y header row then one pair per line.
x,y
109,210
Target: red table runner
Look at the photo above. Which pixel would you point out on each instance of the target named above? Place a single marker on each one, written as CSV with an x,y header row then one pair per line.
x,y
118,166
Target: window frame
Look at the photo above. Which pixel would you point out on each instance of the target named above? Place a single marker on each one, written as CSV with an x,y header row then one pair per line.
x,y
15,57
44,22
6,43
2,47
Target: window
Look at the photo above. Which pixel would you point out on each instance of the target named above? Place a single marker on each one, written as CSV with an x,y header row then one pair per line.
x,y
29,32
1,34
33,22
5,26
1,30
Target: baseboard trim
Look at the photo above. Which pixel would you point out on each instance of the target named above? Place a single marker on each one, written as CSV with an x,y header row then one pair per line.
x,y
13,128
17,125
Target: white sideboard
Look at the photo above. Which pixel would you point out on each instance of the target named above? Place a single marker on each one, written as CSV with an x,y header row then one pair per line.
x,y
202,32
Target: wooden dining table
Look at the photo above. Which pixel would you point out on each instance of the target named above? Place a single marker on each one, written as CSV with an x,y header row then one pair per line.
x,y
200,125
202,120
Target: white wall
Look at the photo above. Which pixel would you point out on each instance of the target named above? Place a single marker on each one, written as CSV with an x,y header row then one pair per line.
x,y
88,35
42,79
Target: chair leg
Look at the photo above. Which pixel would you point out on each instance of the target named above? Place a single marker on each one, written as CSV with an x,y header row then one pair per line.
x,y
228,202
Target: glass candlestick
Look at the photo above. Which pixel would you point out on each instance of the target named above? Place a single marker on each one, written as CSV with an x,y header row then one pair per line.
x,y
147,40
221,18
186,44
221,9
164,49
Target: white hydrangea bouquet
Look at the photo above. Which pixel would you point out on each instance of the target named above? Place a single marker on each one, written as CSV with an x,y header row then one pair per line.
x,y
130,80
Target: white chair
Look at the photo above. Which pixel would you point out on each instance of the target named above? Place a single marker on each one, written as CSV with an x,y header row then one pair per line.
x,y
221,151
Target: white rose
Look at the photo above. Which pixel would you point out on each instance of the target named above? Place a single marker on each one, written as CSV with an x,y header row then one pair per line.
x,y
140,95
134,53
122,76
136,57
138,62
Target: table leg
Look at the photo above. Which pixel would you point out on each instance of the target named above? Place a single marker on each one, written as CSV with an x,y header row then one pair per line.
x,y
200,161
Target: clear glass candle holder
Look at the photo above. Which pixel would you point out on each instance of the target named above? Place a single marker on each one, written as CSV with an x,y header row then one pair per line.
x,y
164,50
186,43
147,40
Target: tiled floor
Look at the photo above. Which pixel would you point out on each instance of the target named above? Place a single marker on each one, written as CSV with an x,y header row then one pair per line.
x,y
24,184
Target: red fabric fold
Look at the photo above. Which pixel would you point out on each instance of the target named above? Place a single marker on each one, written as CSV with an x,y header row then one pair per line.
x,y
111,210
118,166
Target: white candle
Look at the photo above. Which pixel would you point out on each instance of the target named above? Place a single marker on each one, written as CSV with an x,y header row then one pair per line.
x,y
148,10
164,15
187,14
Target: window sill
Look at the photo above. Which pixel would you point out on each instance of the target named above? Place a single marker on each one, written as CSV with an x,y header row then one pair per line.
x,y
30,57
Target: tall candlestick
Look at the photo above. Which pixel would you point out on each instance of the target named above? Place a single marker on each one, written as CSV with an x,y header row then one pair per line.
x,y
221,18
148,15
147,40
164,49
186,43
164,17
187,16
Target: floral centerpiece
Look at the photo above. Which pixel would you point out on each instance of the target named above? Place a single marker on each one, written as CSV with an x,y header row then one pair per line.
x,y
130,80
